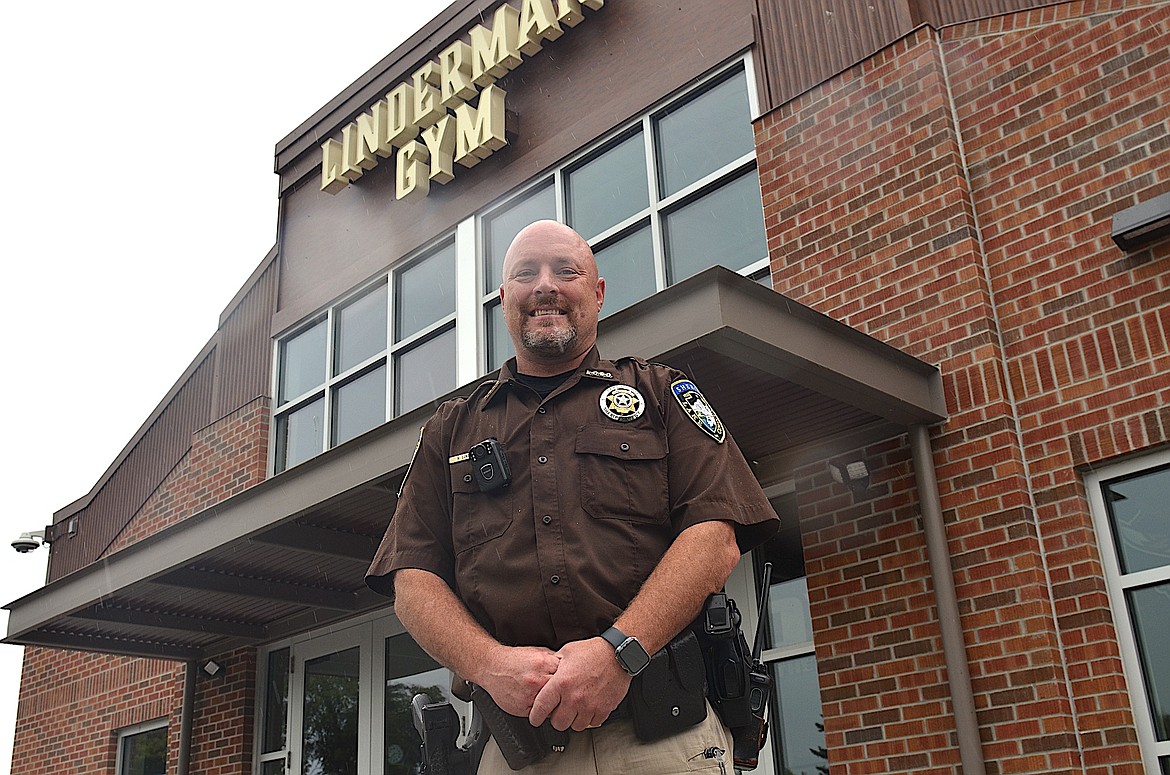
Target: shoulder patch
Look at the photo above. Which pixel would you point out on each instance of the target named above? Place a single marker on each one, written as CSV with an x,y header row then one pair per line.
x,y
697,408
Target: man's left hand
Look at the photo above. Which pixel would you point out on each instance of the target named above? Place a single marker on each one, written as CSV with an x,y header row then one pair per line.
x,y
586,687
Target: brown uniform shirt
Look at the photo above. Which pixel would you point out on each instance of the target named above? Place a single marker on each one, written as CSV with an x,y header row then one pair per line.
x,y
594,501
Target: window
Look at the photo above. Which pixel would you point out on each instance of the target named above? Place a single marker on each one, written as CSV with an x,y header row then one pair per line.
x,y
665,198
333,374
142,749
343,697
796,737
1132,518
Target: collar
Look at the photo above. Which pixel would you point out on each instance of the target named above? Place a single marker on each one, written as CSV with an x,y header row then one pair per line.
x,y
592,367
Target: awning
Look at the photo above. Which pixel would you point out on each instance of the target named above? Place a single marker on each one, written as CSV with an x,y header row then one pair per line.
x,y
290,554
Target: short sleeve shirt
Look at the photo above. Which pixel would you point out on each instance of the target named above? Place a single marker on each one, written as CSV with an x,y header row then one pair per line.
x,y
606,471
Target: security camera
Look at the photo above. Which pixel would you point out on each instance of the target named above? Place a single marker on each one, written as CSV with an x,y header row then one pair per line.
x,y
29,542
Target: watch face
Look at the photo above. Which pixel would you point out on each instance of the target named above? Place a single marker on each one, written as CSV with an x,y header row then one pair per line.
x,y
633,656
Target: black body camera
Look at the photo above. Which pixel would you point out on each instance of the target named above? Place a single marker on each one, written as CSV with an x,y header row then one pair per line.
x,y
489,465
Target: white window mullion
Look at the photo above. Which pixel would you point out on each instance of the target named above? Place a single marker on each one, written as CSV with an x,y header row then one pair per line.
x,y
468,320
655,218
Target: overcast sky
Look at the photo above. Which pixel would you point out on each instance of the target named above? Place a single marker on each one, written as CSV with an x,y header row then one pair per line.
x,y
117,260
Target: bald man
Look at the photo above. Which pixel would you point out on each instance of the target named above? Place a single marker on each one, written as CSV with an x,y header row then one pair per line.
x,y
628,505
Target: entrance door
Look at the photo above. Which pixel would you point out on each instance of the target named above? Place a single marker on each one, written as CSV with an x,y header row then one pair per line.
x,y
332,705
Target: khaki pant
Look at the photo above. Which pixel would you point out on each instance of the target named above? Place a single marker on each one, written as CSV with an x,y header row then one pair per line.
x,y
615,750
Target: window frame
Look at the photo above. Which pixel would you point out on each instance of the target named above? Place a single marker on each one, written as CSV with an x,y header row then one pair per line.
x,y
138,729
742,587
386,358
368,632
474,303
1117,583
659,208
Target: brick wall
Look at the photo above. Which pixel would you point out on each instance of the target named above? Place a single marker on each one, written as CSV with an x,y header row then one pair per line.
x,y
951,196
224,713
226,458
73,704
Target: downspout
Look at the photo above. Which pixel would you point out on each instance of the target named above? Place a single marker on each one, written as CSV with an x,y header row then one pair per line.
x,y
941,573
187,722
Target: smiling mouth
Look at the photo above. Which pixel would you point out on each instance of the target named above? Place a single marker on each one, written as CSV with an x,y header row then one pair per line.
x,y
545,312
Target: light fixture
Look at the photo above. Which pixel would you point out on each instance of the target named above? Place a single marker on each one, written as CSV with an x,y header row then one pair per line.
x,y
1145,222
211,668
853,474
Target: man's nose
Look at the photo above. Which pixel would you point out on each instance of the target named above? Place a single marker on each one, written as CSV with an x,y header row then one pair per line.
x,y
546,281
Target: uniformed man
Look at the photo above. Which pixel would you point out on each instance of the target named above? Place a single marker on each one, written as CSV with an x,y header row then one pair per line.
x,y
628,505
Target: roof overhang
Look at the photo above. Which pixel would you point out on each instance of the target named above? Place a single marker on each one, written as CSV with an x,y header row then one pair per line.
x,y
290,553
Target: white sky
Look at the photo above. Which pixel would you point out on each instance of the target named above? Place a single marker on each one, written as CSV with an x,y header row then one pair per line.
x,y
118,261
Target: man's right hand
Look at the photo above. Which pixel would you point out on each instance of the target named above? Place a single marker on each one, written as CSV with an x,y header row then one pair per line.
x,y
513,676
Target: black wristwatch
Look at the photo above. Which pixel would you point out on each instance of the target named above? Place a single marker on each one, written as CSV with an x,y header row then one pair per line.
x,y
629,652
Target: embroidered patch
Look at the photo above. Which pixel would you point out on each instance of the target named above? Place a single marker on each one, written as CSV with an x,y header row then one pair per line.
x,y
622,403
697,408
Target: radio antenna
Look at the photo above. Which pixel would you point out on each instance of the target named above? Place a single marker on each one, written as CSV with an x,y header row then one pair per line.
x,y
758,646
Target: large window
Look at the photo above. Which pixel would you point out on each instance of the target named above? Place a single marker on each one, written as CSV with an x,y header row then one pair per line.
x,y
142,749
1131,510
334,374
664,198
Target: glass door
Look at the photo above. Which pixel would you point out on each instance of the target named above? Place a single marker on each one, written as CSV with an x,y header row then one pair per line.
x,y
333,705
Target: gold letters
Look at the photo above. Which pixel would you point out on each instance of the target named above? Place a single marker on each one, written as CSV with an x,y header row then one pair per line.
x,y
428,118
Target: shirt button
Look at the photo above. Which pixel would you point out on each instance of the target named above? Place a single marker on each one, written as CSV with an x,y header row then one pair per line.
x,y
625,447
542,459
541,410
546,519
467,477
555,579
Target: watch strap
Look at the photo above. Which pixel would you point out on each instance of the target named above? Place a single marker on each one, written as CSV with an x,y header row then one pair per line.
x,y
614,637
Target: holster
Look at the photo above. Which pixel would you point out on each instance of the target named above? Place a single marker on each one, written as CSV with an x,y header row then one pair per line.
x,y
521,743
670,694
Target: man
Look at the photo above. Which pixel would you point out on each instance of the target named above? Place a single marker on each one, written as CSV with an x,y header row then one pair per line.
x,y
627,508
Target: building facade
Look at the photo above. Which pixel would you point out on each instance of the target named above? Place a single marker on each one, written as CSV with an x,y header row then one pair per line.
x,y
915,253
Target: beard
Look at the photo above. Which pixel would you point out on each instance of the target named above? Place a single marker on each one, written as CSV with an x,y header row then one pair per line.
x,y
541,342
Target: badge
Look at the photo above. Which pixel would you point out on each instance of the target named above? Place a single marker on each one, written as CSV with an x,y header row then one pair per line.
x,y
622,403
697,408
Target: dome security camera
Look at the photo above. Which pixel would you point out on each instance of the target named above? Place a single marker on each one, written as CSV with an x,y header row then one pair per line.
x,y
29,542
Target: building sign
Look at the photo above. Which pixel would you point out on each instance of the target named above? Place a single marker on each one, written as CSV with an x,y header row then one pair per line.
x,y
427,123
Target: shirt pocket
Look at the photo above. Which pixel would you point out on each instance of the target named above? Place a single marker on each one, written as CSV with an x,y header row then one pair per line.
x,y
623,472
476,517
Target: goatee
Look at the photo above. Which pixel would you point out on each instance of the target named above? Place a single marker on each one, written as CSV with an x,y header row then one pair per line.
x,y
549,342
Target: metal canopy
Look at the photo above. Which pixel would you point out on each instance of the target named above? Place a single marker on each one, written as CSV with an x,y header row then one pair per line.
x,y
290,554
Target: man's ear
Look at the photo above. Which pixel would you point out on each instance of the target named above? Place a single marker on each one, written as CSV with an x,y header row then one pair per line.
x,y
600,292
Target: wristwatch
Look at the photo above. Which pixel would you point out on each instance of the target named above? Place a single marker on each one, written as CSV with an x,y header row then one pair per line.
x,y
629,652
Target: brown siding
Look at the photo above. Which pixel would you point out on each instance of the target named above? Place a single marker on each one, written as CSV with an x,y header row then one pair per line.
x,y
609,68
244,352
139,472
802,43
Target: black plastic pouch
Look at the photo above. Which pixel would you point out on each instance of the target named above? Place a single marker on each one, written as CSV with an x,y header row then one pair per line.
x,y
670,694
